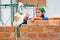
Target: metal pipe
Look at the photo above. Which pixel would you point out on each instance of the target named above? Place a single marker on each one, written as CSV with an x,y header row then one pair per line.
x,y
15,5
0,11
11,14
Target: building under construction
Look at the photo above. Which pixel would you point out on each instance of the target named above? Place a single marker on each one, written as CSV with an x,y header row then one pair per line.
x,y
29,20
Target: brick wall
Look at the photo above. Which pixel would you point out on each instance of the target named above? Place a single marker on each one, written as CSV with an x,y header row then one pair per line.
x,y
34,30
40,30
7,33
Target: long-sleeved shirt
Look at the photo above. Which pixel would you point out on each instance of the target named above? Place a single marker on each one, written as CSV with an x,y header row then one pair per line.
x,y
25,21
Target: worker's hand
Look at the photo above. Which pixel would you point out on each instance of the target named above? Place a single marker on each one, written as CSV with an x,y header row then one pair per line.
x,y
26,16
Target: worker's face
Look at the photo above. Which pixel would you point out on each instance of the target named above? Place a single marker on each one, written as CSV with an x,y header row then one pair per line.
x,y
38,13
20,10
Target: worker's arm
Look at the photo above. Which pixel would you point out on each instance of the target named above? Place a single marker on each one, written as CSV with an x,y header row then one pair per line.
x,y
24,22
25,19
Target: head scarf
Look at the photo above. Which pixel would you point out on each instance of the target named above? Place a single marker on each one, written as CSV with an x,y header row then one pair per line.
x,y
42,9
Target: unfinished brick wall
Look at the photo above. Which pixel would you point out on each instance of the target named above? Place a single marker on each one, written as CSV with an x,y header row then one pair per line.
x,y
34,30
40,30
7,33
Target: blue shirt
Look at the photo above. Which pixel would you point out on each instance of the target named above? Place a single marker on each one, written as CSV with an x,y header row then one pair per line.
x,y
25,21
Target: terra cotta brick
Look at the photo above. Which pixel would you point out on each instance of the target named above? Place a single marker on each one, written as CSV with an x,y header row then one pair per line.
x,y
3,34
53,22
47,29
25,29
10,29
10,39
31,35
42,35
1,38
42,22
57,29
36,29
53,36
31,22
12,35
1,28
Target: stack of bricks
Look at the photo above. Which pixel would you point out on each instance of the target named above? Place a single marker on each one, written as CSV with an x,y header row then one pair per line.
x,y
40,30
7,33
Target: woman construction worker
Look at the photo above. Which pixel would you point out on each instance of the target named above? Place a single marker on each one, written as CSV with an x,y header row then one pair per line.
x,y
39,14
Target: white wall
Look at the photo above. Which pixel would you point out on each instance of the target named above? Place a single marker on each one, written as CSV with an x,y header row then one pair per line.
x,y
53,8
6,13
30,10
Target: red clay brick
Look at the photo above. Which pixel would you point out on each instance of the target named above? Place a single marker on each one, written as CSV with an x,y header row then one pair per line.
x,y
3,34
57,29
25,29
56,18
23,39
1,38
47,29
36,18
36,29
38,2
41,2
31,35
32,2
42,35
54,22
31,22
10,29
10,39
23,1
23,35
42,22
10,26
1,28
12,35
53,36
